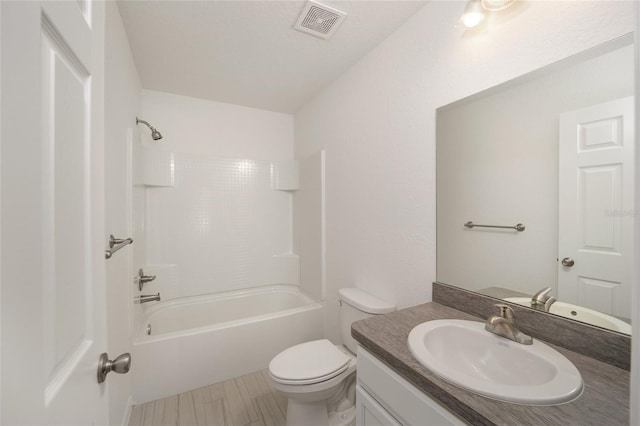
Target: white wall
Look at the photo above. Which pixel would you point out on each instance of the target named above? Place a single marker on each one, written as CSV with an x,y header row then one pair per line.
x,y
220,225
122,104
308,224
377,124
205,127
498,164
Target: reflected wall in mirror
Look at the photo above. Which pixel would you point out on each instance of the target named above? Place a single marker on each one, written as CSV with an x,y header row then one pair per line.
x,y
552,150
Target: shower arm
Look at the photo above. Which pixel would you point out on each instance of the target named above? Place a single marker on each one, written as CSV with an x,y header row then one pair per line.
x,y
155,134
146,123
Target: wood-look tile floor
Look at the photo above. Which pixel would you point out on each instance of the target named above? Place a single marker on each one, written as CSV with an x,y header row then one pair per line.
x,y
246,400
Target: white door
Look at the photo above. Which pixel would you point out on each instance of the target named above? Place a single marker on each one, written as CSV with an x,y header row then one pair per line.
x,y
52,221
596,206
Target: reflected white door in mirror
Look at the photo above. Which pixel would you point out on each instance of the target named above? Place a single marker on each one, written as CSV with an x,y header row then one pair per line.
x,y
595,235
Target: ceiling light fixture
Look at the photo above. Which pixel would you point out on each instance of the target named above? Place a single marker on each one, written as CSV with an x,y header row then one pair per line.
x,y
473,14
476,11
496,5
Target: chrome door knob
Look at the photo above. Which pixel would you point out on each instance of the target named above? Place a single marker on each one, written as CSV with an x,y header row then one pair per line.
x,y
567,261
120,365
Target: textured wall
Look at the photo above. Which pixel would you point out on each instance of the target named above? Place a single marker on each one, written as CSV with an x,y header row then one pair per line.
x,y
377,124
200,126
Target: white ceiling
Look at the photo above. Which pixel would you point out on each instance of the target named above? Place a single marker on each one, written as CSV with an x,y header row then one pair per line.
x,y
247,52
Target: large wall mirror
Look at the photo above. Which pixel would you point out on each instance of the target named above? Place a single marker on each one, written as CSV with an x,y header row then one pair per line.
x,y
553,151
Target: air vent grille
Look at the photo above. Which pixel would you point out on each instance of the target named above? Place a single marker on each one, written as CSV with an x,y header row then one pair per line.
x,y
319,20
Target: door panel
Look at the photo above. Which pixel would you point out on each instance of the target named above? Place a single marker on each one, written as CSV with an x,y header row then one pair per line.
x,y
57,293
600,295
65,97
599,191
596,197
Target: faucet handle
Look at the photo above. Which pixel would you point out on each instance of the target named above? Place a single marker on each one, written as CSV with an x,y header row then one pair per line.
x,y
542,294
505,311
143,279
504,325
542,300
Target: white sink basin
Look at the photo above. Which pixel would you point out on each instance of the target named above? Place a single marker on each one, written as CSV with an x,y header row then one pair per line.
x,y
465,354
580,313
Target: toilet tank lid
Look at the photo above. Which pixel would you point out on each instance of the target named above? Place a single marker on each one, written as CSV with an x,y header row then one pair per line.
x,y
364,301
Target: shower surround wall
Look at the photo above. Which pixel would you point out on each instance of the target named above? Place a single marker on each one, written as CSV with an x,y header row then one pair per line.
x,y
222,225
213,206
211,217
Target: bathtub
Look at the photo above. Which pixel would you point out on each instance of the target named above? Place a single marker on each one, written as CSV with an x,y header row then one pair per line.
x,y
187,343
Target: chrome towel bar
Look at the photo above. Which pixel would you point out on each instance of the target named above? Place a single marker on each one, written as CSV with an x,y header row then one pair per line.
x,y
518,227
116,244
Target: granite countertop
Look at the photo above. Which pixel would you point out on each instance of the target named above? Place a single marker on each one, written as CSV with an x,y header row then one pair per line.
x,y
605,400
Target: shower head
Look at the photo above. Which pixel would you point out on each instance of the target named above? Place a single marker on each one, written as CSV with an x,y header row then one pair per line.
x,y
155,134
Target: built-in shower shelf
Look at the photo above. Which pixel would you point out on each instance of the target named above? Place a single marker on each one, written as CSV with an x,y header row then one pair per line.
x,y
285,175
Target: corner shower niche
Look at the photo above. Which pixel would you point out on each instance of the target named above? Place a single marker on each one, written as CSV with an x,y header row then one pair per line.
x,y
214,224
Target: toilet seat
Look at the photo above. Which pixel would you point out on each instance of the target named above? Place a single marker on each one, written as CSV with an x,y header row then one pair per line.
x,y
308,363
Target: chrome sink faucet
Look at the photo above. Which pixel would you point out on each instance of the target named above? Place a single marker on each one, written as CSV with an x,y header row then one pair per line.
x,y
542,301
504,325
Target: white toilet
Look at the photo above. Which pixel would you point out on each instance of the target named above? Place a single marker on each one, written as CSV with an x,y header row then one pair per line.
x,y
318,377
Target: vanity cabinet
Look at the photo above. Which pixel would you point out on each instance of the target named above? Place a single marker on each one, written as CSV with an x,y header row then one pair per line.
x,y
386,399
370,412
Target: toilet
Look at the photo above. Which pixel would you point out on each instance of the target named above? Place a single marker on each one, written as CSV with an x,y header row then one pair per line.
x,y
318,377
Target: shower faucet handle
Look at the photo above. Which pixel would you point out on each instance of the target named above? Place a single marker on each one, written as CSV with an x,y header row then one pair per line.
x,y
143,279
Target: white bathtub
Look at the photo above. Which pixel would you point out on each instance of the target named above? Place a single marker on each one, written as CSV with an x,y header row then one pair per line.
x,y
200,340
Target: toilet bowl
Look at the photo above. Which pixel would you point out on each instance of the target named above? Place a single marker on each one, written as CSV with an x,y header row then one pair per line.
x,y
318,378
315,377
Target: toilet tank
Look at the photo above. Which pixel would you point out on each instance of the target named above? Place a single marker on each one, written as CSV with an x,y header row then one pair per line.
x,y
356,304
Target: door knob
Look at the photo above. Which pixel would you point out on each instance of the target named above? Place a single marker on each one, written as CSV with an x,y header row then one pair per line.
x,y
567,261
120,365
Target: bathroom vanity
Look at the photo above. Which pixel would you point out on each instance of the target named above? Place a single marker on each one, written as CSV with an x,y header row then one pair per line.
x,y
394,389
383,397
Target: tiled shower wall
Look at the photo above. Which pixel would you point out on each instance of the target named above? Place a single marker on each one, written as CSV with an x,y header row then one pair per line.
x,y
212,200
223,226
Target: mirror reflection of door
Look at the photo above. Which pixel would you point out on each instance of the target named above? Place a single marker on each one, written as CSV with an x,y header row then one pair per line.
x,y
595,244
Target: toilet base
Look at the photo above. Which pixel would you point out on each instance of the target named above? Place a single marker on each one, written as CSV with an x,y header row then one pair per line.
x,y
315,414
343,418
307,413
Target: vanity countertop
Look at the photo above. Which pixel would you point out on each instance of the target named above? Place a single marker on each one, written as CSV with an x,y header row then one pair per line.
x,y
605,400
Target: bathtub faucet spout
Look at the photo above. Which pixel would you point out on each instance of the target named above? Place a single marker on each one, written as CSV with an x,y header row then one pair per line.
x,y
144,298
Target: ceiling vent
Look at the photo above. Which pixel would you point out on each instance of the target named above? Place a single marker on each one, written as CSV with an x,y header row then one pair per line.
x,y
319,20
